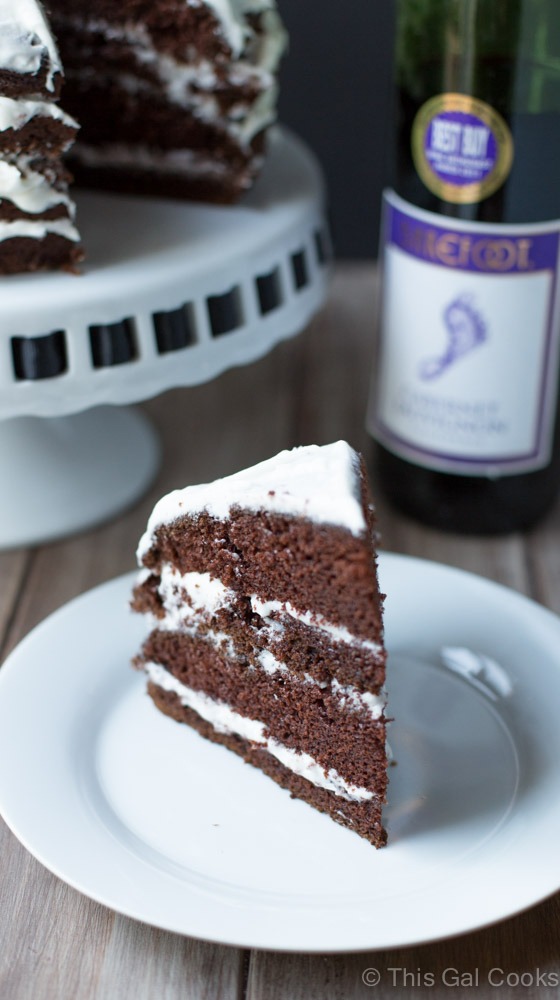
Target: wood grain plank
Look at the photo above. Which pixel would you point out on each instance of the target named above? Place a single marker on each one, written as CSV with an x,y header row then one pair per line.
x,y
57,944
334,371
13,568
524,945
53,938
543,554
166,966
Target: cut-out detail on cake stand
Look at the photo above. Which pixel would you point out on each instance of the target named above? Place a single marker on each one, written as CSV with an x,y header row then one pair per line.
x,y
172,294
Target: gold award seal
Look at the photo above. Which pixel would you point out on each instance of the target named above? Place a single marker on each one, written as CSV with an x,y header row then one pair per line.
x,y
462,148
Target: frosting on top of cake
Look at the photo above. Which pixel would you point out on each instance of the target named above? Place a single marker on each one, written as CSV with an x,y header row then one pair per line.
x,y
321,484
25,39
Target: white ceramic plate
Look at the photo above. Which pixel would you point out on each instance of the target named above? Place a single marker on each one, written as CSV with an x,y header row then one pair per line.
x,y
146,817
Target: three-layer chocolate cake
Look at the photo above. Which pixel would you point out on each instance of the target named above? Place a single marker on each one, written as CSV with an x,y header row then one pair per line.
x,y
266,625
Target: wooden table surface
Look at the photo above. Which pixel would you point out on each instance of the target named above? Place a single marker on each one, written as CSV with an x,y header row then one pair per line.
x,y
54,942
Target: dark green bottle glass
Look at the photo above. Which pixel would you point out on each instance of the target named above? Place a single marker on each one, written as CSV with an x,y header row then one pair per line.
x,y
464,408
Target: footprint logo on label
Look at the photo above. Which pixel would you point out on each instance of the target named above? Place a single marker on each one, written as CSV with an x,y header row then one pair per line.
x,y
466,330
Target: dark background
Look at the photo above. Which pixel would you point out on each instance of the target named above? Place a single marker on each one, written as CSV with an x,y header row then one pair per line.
x,y
335,87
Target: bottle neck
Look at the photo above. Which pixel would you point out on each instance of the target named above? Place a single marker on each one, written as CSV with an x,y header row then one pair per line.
x,y
504,57
506,52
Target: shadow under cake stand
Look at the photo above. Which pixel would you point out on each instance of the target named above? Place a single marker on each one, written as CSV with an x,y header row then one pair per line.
x,y
172,294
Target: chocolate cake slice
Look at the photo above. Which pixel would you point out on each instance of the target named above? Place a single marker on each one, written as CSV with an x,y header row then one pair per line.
x,y
173,96
37,228
266,633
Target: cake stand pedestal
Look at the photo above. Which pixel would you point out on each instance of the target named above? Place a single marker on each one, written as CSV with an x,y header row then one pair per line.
x,y
66,473
172,294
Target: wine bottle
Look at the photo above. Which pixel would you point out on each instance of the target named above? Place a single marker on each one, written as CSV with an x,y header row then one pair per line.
x,y
464,406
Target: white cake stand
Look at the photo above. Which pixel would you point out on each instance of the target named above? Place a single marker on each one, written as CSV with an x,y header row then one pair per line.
x,y
172,294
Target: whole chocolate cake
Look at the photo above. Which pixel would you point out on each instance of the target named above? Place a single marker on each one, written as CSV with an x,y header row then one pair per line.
x,y
266,634
173,98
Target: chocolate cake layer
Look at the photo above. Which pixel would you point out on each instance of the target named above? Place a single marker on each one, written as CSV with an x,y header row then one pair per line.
x,y
281,558
172,26
43,83
40,135
153,182
51,251
364,818
11,213
330,723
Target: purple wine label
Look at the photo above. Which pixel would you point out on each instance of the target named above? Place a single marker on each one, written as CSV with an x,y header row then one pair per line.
x,y
478,248
462,148
467,368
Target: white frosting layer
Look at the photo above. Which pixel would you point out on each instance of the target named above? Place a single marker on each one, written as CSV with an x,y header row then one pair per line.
x,y
204,593
25,39
189,163
321,484
15,114
38,230
358,700
30,191
225,720
270,664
